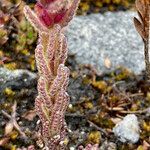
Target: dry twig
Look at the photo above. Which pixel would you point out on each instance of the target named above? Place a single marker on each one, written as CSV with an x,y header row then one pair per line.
x,y
12,121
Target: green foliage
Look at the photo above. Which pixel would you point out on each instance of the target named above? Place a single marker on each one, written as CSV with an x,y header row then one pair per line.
x,y
88,6
17,36
3,36
26,35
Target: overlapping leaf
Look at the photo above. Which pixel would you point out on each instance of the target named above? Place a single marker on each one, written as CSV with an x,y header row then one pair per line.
x,y
142,25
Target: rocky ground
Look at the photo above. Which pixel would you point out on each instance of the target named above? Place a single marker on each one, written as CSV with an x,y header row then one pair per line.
x,y
109,109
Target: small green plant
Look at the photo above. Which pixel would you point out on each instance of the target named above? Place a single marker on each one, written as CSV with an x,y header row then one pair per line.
x,y
88,6
17,37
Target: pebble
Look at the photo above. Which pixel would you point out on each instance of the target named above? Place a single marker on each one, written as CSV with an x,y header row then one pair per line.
x,y
128,129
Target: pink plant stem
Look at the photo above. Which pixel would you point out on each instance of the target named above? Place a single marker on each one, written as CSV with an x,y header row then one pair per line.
x,y
51,53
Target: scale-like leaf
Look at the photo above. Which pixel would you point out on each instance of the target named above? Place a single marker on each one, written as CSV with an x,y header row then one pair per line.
x,y
139,27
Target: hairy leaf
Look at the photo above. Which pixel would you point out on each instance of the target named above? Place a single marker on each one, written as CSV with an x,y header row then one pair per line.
x,y
34,20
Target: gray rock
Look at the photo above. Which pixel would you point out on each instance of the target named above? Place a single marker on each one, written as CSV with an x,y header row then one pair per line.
x,y
16,79
95,37
128,129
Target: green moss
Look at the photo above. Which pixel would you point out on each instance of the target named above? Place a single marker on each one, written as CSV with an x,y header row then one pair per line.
x,y
8,92
121,74
102,121
94,137
99,5
10,66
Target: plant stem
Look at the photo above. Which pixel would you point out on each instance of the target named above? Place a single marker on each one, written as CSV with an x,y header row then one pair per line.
x,y
147,63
